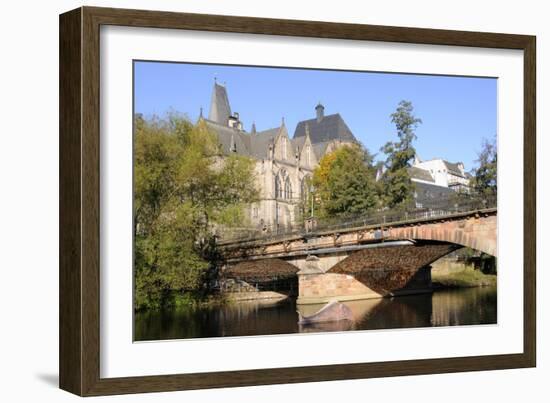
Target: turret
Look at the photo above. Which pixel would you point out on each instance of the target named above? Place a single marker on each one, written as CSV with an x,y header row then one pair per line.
x,y
320,110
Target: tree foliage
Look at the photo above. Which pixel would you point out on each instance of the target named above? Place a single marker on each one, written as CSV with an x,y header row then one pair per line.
x,y
345,182
397,184
484,181
183,189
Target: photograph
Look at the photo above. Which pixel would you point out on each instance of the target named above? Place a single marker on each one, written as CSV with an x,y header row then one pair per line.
x,y
274,200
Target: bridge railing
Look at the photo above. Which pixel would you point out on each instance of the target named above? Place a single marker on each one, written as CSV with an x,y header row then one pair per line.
x,y
441,208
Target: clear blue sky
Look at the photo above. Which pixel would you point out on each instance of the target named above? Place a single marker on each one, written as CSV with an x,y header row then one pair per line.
x,y
457,112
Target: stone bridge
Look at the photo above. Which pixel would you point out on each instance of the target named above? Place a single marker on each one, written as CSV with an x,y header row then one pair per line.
x,y
361,261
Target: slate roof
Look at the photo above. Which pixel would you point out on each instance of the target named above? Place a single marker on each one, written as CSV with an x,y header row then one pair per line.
x,y
319,149
453,168
247,144
229,137
330,127
219,105
322,130
259,142
421,174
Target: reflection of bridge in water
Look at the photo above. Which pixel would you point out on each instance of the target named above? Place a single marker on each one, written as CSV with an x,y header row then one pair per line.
x,y
361,258
472,306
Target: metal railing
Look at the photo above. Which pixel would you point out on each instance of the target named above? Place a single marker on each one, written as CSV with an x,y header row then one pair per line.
x,y
438,209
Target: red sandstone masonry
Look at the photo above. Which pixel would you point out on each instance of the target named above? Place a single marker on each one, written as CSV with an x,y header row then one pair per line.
x,y
477,233
328,285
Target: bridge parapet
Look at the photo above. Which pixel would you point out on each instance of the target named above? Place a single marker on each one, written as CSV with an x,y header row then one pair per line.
x,y
445,208
476,229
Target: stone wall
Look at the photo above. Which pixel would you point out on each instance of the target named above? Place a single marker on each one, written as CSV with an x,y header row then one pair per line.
x,y
476,232
322,287
316,288
239,290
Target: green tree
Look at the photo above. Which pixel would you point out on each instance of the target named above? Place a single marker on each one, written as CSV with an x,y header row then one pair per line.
x,y
345,182
183,190
484,181
397,185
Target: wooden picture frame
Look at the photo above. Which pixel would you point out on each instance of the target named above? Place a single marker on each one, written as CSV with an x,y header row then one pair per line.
x,y
79,346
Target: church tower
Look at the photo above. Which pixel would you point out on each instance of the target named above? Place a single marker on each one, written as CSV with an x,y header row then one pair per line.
x,y
220,111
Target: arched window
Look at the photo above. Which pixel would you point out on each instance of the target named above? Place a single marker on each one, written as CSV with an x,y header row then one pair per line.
x,y
278,188
288,189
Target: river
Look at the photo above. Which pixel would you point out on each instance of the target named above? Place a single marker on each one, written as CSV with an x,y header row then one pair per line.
x,y
465,306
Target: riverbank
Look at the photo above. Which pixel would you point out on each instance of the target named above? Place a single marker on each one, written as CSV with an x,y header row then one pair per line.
x,y
460,275
198,300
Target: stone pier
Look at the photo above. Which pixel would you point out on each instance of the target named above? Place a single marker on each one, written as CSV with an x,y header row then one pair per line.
x,y
318,286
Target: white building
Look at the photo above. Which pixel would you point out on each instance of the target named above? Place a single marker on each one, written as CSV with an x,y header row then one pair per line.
x,y
443,173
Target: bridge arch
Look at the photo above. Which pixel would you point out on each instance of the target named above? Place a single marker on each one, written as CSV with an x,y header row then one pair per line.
x,y
261,279
261,270
387,269
478,232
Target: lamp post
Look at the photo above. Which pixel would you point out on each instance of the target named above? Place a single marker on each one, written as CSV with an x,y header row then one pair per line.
x,y
311,192
276,215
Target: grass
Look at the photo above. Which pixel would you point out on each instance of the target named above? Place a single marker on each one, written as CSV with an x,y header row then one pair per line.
x,y
469,277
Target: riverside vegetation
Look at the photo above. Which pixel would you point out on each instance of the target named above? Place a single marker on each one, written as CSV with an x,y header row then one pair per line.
x,y
465,268
183,188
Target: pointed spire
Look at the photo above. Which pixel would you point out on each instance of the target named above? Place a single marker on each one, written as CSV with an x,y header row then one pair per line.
x,y
200,114
307,129
219,105
283,121
253,130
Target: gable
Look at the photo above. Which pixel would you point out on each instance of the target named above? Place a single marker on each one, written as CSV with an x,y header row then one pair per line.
x,y
283,146
307,155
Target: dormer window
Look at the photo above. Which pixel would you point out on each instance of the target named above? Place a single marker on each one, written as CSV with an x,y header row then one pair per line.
x,y
284,148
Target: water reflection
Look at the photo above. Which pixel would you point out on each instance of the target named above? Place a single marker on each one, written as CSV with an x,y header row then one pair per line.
x,y
469,306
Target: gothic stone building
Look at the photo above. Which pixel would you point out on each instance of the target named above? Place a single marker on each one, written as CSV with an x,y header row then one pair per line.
x,y
283,164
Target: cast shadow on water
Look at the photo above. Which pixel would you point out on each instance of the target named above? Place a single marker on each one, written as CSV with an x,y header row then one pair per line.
x,y
470,306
